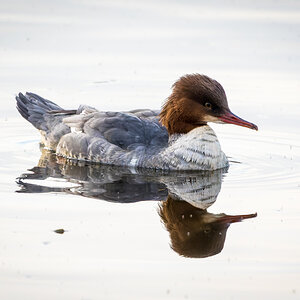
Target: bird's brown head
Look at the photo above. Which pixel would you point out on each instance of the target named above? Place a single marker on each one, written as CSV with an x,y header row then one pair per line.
x,y
195,100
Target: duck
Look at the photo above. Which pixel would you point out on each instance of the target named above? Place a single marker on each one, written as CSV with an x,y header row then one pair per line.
x,y
175,138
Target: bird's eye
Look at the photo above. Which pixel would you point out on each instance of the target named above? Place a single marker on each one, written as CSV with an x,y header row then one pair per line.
x,y
207,105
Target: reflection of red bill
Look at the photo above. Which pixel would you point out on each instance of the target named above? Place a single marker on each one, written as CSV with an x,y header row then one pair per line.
x,y
225,219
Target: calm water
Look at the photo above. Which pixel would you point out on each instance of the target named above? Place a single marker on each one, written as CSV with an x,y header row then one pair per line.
x,y
137,235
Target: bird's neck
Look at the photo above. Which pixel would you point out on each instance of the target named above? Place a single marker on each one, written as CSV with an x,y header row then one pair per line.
x,y
177,116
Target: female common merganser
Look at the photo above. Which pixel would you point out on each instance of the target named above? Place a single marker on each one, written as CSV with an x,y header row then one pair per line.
x,y
175,138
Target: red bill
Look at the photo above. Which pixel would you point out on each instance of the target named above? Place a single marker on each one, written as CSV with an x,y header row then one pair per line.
x,y
230,118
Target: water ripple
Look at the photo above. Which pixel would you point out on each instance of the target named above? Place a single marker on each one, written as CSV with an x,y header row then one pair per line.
x,y
268,161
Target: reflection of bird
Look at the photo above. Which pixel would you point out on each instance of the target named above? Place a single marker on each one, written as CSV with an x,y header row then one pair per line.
x,y
195,232
121,184
184,197
177,138
200,190
94,181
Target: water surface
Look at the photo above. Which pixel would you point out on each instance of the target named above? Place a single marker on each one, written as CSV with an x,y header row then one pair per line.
x,y
136,235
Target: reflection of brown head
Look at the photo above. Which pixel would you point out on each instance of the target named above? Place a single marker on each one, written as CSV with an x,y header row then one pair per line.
x,y
195,232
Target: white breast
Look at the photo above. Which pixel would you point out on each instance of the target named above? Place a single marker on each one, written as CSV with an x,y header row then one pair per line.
x,y
199,149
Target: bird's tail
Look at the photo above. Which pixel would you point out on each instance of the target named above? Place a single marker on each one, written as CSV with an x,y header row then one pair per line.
x,y
44,115
39,111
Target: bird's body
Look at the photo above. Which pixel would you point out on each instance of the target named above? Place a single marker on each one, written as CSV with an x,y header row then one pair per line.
x,y
177,138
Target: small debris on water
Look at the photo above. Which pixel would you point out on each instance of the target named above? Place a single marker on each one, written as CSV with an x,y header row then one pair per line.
x,y
60,231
